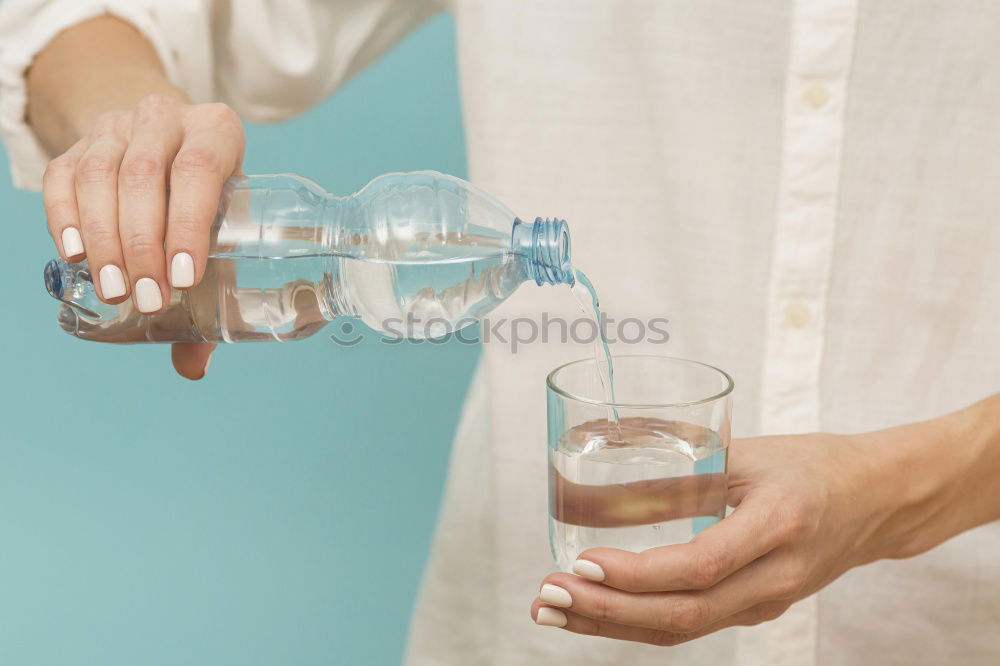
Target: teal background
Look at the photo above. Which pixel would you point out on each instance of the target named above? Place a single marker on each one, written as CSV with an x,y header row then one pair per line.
x,y
278,512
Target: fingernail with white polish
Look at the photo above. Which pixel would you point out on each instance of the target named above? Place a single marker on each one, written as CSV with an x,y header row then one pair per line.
x,y
182,270
555,595
72,243
550,617
589,570
112,281
147,295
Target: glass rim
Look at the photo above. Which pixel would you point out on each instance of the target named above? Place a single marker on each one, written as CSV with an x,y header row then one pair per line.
x,y
730,384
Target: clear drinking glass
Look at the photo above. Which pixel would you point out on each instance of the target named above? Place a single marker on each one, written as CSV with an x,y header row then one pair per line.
x,y
656,479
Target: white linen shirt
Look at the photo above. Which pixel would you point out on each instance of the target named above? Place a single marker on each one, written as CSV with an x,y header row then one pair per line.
x,y
807,189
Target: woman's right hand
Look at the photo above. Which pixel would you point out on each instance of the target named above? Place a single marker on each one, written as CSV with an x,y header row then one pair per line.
x,y
106,201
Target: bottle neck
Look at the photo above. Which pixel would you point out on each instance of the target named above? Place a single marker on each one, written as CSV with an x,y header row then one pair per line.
x,y
340,226
544,245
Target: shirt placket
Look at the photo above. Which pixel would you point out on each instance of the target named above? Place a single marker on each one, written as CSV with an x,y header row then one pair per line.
x,y
821,49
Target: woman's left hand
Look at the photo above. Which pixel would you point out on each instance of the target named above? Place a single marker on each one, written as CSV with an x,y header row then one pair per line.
x,y
808,508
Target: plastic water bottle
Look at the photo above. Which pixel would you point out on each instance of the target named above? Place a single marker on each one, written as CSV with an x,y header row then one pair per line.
x,y
411,254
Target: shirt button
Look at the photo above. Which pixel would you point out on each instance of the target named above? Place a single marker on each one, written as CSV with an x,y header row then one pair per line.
x,y
797,314
816,95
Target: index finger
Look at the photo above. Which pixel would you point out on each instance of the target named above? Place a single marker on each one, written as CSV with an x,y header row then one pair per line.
x,y
754,529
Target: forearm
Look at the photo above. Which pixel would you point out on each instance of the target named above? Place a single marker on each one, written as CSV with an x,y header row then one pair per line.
x,y
978,430
97,66
940,477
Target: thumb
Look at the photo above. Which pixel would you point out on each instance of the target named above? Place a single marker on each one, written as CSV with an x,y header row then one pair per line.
x,y
191,358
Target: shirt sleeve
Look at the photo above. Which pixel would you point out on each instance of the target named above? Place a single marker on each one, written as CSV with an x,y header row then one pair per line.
x,y
268,59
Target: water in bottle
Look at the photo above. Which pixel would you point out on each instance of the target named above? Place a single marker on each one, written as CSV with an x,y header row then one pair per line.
x,y
412,254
